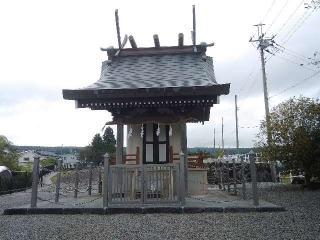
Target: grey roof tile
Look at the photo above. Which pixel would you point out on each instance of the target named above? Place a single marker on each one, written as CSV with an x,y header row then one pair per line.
x,y
156,71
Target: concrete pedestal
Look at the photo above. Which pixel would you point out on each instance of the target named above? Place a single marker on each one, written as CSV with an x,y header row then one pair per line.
x,y
197,181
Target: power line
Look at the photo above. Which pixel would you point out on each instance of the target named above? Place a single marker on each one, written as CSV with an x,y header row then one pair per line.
x,y
297,28
295,85
268,11
278,15
293,53
254,70
291,15
250,126
291,61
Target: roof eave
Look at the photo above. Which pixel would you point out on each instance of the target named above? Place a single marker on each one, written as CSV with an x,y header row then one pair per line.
x,y
219,89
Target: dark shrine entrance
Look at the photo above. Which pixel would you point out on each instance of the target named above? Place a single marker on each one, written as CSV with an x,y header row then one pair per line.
x,y
155,143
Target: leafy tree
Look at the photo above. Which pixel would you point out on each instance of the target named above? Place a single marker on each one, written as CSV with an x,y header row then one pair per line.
x,y
295,128
86,154
109,140
48,162
8,157
98,147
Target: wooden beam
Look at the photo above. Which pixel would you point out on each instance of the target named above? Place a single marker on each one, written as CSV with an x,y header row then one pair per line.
x,y
124,42
118,28
156,40
119,150
180,40
184,149
132,42
194,25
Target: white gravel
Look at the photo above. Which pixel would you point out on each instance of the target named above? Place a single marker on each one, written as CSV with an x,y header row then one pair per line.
x,y
300,221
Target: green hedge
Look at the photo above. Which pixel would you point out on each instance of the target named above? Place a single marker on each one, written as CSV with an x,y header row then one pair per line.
x,y
19,182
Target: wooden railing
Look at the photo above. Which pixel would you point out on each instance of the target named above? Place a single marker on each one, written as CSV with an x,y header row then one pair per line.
x,y
132,158
194,161
150,183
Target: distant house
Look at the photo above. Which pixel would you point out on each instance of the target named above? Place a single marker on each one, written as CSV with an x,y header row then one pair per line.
x,y
27,157
69,160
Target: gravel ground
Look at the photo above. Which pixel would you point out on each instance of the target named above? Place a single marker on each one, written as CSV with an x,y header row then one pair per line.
x,y
300,221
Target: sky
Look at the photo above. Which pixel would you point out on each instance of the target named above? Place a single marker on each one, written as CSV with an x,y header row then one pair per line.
x,y
47,46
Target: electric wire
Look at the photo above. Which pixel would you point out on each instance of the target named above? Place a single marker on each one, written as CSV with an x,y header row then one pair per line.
x,y
296,28
290,16
278,15
269,10
293,53
291,61
295,85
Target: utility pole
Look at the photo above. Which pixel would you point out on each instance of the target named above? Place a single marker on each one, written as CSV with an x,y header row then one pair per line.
x,y
222,140
214,138
264,43
236,112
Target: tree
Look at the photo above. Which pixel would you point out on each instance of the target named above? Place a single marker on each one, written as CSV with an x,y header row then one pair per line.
x,y
48,162
109,140
8,157
98,147
295,128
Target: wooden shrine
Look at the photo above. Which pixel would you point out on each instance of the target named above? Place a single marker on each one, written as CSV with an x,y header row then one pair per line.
x,y
155,92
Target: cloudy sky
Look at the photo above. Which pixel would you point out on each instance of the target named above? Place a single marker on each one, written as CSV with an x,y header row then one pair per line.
x,y
47,46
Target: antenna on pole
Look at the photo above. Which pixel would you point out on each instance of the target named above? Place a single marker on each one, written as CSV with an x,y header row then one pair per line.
x,y
194,40
118,28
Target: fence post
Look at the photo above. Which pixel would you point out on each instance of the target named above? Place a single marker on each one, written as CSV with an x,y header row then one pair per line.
x,y
90,180
254,182
234,176
243,180
220,175
58,181
228,176
99,181
273,171
182,180
76,183
26,179
223,176
105,180
35,181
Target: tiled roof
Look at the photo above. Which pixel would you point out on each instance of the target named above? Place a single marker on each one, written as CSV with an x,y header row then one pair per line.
x,y
156,71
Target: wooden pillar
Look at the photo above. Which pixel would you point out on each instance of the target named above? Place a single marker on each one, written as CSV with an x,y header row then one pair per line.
x,y
243,180
182,179
105,180
119,150
90,180
35,181
58,181
254,182
184,149
76,183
